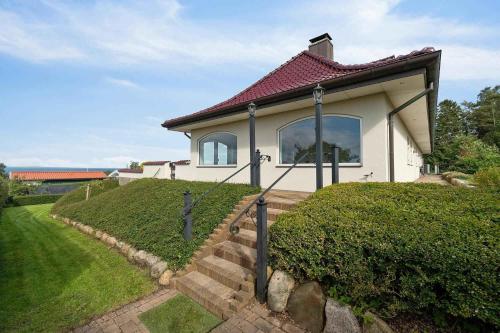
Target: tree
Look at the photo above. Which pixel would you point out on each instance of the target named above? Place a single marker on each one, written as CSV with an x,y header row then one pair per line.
x,y
451,122
134,165
483,115
3,174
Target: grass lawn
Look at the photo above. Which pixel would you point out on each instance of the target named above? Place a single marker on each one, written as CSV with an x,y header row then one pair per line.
x,y
52,277
179,315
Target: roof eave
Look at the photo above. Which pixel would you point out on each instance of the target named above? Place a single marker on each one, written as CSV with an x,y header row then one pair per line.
x,y
426,60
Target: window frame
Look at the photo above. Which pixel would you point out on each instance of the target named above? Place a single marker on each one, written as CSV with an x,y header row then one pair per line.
x,y
199,165
312,165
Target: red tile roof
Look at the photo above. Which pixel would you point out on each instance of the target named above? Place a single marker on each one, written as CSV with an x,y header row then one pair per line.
x,y
304,70
155,163
57,175
130,170
182,162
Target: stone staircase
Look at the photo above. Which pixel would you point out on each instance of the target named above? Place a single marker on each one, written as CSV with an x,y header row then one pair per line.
x,y
221,274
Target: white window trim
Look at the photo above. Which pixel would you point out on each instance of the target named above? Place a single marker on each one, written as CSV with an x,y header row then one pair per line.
x,y
199,165
312,165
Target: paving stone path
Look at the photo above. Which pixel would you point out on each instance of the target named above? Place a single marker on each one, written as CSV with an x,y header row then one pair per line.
x,y
255,318
126,318
434,179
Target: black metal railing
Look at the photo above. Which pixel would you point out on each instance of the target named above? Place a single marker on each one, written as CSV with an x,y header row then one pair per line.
x,y
261,225
189,205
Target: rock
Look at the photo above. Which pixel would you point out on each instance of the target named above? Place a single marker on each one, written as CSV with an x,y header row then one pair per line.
x,y
151,260
98,234
89,230
278,291
306,306
125,248
165,278
374,324
158,269
111,241
140,257
339,318
104,237
131,254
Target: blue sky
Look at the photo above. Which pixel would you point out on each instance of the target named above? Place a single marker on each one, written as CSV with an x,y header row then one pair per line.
x,y
88,83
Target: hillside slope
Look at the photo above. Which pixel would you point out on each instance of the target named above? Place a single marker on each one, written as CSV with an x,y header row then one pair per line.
x,y
147,214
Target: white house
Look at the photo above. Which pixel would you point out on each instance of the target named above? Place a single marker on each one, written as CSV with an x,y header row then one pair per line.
x,y
156,169
381,115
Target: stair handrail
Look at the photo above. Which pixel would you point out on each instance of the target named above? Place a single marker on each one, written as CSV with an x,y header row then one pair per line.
x,y
233,227
188,205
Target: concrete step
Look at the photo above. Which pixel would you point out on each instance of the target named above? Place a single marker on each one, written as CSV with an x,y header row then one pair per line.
x,y
228,273
246,223
245,237
236,253
212,295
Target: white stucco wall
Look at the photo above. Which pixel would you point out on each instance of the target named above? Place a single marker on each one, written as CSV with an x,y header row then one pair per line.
x,y
156,171
372,110
184,172
407,155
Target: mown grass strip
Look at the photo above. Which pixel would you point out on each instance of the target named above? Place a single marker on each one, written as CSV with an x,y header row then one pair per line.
x,y
53,278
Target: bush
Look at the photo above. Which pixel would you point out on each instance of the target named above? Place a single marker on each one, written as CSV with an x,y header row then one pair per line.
x,y
395,248
146,213
473,155
4,192
96,187
25,200
489,177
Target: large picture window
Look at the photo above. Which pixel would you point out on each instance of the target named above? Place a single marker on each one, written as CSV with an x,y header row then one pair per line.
x,y
217,149
299,138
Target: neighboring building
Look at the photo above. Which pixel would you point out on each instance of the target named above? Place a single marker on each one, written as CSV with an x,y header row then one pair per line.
x,y
156,169
180,170
56,176
115,174
128,175
356,105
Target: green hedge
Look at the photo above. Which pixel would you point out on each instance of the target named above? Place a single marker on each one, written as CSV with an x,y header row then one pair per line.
x,y
489,177
25,200
395,248
96,187
147,214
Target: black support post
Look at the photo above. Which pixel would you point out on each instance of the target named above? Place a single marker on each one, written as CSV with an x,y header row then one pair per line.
x,y
335,164
261,250
257,168
188,221
318,105
251,120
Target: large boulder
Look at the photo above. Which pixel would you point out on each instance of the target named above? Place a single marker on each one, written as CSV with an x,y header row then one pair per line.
x,y
152,260
158,269
125,248
140,257
278,291
306,306
165,278
339,318
131,254
111,241
98,234
373,324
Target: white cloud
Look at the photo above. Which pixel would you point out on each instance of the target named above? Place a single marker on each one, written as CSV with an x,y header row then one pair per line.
x,y
122,82
161,33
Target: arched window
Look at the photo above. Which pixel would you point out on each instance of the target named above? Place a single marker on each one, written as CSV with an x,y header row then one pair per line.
x,y
299,138
217,149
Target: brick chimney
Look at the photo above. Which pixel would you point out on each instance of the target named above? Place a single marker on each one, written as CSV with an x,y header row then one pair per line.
x,y
322,46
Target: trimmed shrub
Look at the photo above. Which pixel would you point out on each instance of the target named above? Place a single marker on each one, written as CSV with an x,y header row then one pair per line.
x,y
395,248
489,177
25,200
146,213
96,187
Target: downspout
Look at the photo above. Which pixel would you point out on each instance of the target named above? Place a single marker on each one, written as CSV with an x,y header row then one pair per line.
x,y
187,135
391,126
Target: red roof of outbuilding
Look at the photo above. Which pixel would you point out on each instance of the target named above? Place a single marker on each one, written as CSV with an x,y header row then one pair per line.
x,y
130,170
304,70
155,163
57,175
